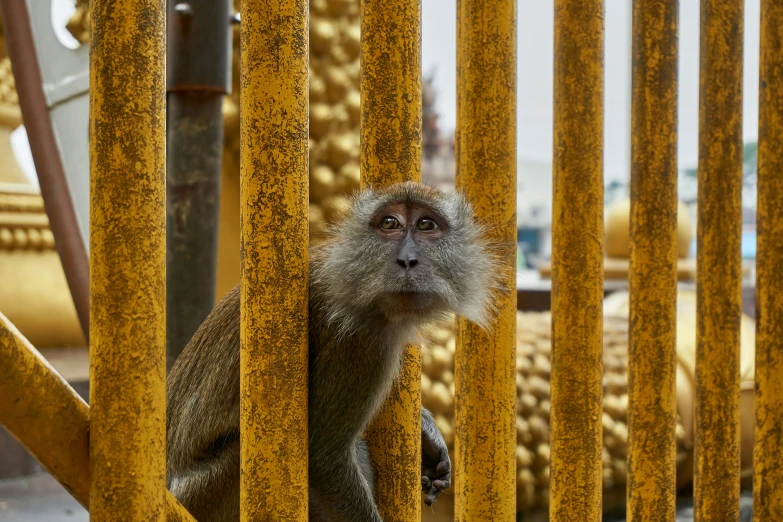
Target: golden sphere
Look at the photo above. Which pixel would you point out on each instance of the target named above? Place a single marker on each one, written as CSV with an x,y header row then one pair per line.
x,y
353,104
317,88
6,238
321,183
34,238
338,83
349,179
322,34
618,230
20,238
320,120
341,148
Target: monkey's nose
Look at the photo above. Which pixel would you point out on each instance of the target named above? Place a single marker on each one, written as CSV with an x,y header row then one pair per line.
x,y
407,262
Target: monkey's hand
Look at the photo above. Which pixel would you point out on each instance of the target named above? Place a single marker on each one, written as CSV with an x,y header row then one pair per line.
x,y
435,463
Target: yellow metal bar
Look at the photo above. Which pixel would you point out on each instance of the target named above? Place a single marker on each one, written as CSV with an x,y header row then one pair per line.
x,y
652,412
390,92
485,409
274,295
40,409
768,450
390,153
48,418
577,263
128,260
718,277
394,439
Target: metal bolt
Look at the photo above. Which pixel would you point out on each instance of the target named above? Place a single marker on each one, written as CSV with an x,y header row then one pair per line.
x,y
184,9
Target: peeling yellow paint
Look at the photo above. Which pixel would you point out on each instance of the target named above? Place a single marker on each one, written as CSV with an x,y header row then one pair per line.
x,y
394,439
768,450
274,229
127,260
485,373
718,275
652,412
390,132
48,418
577,263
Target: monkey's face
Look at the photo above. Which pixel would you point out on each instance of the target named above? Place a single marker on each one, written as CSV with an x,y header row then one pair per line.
x,y
408,233
408,252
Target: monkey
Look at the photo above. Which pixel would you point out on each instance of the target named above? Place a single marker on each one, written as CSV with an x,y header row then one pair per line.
x,y
400,258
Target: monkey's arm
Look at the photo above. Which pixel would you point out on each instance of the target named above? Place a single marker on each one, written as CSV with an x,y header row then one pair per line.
x,y
342,485
435,463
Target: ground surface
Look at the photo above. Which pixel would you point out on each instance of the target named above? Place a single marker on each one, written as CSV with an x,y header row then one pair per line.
x,y
38,498
685,510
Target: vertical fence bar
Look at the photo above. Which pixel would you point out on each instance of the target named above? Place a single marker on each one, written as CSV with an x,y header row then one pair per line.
x,y
274,295
127,260
652,412
717,453
391,153
577,262
198,46
485,374
768,450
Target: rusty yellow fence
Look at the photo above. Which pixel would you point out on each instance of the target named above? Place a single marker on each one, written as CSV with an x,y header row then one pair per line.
x,y
768,450
390,152
484,365
716,484
577,262
127,261
273,194
652,471
118,471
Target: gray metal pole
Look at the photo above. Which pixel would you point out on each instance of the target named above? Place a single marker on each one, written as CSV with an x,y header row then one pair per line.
x,y
198,76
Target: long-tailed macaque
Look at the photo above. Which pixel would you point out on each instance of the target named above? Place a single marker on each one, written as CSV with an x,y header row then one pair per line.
x,y
400,258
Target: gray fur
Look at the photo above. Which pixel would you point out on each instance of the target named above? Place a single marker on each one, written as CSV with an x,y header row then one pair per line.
x,y
356,344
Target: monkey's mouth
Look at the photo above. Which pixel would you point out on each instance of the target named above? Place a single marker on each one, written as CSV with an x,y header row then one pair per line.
x,y
411,301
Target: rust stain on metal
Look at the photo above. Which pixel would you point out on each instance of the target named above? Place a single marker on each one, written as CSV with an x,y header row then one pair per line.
x,y
127,260
48,418
577,262
652,412
768,449
390,92
394,439
717,470
274,292
485,400
390,132
44,413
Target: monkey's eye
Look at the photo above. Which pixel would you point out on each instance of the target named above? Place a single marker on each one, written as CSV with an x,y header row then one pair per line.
x,y
389,223
426,224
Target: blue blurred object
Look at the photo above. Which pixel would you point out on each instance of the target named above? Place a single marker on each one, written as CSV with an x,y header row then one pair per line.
x,y
748,243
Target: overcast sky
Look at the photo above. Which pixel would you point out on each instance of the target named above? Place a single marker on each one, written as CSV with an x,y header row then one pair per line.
x,y
535,39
